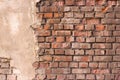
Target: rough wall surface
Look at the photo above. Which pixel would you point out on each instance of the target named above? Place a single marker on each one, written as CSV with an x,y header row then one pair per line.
x,y
78,40
6,71
16,37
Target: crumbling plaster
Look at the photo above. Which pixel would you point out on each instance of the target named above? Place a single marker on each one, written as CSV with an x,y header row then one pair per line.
x,y
16,37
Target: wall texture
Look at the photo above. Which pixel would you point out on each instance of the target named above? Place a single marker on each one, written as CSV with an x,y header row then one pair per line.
x,y
78,40
17,38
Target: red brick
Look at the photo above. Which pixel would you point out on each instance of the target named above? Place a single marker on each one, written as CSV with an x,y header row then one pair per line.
x,y
80,39
50,39
68,26
79,52
100,71
79,27
71,76
73,64
62,58
51,76
101,45
80,76
82,58
48,15
46,58
93,21
60,39
53,21
63,64
56,45
93,64
100,27
82,33
61,70
59,51
69,2
58,15
80,2
43,33
102,58
41,39
61,77
54,64
69,52
44,45
90,76
89,52
86,70
83,64
90,2
69,39
62,33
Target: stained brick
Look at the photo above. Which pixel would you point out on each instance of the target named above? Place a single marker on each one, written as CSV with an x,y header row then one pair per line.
x,y
63,58
102,58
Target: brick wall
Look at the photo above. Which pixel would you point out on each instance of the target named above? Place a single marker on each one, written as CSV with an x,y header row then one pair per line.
x,y
78,40
6,71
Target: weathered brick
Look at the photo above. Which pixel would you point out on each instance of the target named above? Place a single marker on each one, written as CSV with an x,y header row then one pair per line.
x,y
80,2
110,15
61,70
82,33
82,58
90,39
80,39
90,76
58,15
50,39
103,65
68,14
69,52
110,21
70,39
73,64
93,21
60,39
79,52
62,58
100,27
68,26
61,77
87,8
63,64
90,2
79,27
89,52
86,70
101,45
80,76
93,64
100,39
70,20
116,33
116,58
100,71
83,64
62,33
117,15
44,45
71,76
48,15
102,58
69,2
89,15
99,15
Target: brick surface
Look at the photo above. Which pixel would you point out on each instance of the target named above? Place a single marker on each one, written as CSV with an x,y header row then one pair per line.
x,y
80,40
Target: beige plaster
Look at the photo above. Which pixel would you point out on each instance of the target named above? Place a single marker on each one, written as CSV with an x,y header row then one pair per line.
x,y
16,37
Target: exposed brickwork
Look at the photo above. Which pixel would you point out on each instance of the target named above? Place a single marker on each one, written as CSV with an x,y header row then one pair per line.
x,y
78,40
6,72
